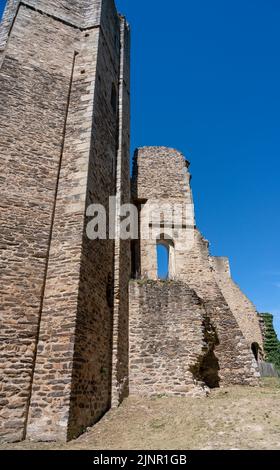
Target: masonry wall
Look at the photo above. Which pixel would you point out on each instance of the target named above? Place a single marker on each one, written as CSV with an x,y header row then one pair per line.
x,y
158,169
166,338
33,98
122,259
6,24
80,13
60,146
161,182
236,359
242,308
92,368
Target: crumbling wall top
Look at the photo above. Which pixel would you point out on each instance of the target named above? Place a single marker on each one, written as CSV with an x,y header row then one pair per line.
x,y
159,151
221,265
160,172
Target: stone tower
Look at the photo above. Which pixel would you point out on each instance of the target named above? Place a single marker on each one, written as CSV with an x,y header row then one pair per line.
x,y
64,97
196,328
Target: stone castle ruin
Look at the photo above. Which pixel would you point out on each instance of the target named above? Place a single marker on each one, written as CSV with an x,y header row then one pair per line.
x,y
86,322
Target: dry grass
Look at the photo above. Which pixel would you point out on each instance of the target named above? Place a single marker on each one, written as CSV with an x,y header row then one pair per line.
x,y
233,418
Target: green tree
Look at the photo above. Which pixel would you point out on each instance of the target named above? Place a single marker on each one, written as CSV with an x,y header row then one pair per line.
x,y
271,342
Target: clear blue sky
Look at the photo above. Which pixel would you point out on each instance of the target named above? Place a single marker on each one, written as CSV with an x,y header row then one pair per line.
x,y
206,80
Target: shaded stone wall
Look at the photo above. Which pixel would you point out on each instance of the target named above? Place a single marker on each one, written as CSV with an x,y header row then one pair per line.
x,y
60,146
122,260
242,308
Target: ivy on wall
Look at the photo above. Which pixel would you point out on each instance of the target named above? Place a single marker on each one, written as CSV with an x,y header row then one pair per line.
x,y
271,342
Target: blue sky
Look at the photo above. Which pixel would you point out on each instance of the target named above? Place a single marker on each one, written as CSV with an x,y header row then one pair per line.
x,y
205,80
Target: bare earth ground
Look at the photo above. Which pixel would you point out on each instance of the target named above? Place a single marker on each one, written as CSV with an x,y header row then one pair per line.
x,y
232,418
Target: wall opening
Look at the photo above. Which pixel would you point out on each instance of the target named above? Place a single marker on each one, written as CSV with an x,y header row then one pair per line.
x,y
162,261
209,370
165,258
135,259
255,350
207,367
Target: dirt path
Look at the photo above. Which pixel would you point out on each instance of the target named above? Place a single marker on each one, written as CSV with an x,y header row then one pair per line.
x,y
233,418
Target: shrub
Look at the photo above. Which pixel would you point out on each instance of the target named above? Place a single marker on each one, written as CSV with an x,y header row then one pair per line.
x,y
271,342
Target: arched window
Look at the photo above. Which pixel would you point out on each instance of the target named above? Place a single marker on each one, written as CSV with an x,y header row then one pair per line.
x,y
165,258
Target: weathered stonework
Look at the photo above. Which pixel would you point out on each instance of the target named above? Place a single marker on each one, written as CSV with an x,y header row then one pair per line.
x,y
161,174
76,334
64,135
242,308
167,339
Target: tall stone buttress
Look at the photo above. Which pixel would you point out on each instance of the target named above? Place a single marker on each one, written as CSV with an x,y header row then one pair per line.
x,y
64,118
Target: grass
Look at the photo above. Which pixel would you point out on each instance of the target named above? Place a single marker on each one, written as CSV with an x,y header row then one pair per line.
x,y
232,418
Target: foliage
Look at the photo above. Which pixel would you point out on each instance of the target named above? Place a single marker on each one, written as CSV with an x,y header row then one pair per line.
x,y
271,342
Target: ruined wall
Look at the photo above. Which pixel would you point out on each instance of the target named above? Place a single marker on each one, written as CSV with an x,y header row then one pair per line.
x,y
160,172
159,169
161,181
242,308
236,359
60,144
166,338
64,117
